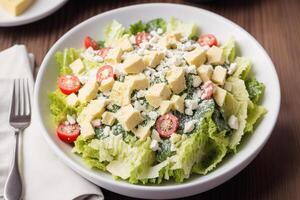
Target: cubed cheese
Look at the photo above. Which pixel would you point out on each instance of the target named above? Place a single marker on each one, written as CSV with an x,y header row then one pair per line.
x,y
72,100
219,95
86,130
114,56
165,107
205,72
94,109
178,103
157,93
196,57
142,132
108,118
176,79
219,75
107,84
133,65
169,41
15,7
215,55
77,66
125,44
88,91
120,93
137,82
129,117
153,58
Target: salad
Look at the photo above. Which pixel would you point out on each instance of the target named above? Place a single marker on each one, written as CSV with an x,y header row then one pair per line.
x,y
156,101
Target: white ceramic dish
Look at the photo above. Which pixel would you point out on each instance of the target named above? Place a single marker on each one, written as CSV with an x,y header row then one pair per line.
x,y
208,23
38,10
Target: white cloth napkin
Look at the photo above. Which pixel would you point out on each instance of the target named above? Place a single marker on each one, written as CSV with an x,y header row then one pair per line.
x,y
44,175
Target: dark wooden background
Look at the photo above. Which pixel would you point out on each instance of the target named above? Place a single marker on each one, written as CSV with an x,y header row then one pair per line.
x,y
275,173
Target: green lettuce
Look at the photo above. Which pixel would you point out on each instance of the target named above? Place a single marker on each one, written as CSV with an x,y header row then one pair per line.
x,y
58,106
113,32
243,68
136,27
255,89
188,29
229,50
65,58
165,151
155,24
254,114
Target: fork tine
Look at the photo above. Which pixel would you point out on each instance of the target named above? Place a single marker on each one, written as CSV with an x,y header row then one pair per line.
x,y
19,99
24,97
27,96
13,102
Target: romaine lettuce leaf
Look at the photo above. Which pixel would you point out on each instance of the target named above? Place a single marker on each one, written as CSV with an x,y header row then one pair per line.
x,y
188,29
136,27
65,58
229,50
164,151
58,107
255,89
113,32
254,114
155,24
243,68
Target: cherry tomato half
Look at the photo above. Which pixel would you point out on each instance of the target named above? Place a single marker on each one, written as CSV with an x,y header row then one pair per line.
x,y
141,37
166,125
105,72
103,52
68,132
208,39
68,84
89,42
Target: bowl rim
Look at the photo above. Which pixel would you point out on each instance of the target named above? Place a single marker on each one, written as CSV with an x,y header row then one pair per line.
x,y
222,176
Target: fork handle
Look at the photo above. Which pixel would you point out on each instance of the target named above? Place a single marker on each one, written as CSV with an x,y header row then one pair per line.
x,y
13,185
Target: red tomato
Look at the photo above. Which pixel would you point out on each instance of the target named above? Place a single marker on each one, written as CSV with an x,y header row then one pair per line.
x,y
208,39
141,37
105,72
166,125
68,132
89,42
103,52
68,84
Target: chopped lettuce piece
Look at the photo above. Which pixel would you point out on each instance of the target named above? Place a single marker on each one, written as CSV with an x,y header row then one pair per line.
x,y
89,64
255,89
65,58
188,29
254,114
58,107
229,50
164,151
243,68
113,32
220,121
155,24
137,27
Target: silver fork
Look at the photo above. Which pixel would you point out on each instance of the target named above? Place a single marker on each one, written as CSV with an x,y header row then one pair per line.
x,y
19,119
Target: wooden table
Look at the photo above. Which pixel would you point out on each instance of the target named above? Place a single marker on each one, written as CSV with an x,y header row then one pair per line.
x,y
275,173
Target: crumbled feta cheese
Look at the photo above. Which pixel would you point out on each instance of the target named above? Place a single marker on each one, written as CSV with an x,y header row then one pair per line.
x,y
232,68
137,105
188,111
196,81
183,39
153,115
140,94
91,55
141,52
191,104
189,126
233,122
191,69
106,93
159,31
71,119
173,147
132,39
96,123
155,135
154,145
106,130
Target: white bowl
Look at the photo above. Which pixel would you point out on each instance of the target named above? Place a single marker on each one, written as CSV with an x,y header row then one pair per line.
x,y
208,23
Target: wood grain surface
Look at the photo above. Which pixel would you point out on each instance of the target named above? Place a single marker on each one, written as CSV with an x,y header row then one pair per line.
x,y
275,173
